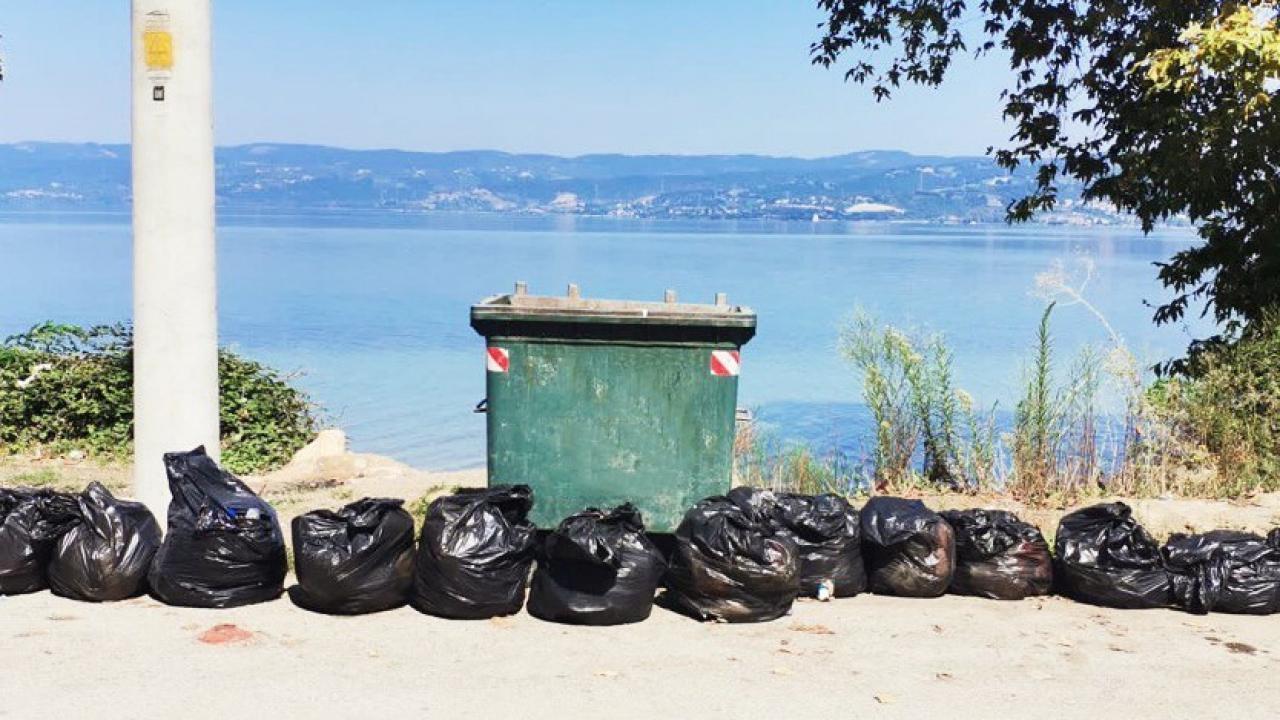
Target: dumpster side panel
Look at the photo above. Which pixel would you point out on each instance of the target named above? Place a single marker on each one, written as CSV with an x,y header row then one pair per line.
x,y
594,424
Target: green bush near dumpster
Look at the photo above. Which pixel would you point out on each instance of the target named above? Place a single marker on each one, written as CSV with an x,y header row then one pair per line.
x,y
1229,403
66,388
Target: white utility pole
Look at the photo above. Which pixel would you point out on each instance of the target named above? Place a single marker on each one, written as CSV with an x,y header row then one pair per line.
x,y
175,318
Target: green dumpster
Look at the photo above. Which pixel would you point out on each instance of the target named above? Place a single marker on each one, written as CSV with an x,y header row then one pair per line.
x,y
601,402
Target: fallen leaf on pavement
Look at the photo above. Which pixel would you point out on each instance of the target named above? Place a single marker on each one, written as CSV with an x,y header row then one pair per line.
x,y
223,634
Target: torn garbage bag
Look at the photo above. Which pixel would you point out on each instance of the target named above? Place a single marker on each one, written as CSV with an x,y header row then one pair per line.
x,y
1104,557
730,563
31,521
597,568
910,550
999,556
106,554
1225,571
224,547
356,560
475,553
828,537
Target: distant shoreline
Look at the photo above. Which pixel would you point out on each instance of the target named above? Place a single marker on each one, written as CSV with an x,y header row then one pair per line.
x,y
575,222
870,186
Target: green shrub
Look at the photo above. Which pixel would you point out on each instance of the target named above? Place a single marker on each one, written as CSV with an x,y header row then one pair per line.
x,y
1230,404
65,387
265,420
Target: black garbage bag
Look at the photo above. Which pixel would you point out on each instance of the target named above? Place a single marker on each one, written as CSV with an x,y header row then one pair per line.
x,y
828,535
910,550
1225,571
31,521
224,547
475,553
730,563
999,556
597,568
1104,557
353,561
106,555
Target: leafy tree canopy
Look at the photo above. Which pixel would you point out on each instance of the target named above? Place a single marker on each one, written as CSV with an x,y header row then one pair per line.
x,y
1163,108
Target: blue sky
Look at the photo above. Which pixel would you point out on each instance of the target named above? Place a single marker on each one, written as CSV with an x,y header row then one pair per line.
x,y
564,76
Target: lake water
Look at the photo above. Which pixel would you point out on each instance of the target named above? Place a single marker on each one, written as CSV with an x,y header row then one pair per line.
x,y
373,309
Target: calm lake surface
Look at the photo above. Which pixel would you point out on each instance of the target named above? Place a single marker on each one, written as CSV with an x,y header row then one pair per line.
x,y
373,309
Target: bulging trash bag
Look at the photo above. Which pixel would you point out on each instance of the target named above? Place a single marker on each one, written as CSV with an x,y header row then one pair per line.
x,y
1225,571
475,553
597,568
910,550
31,521
730,562
353,561
1104,557
224,547
106,554
828,537
999,556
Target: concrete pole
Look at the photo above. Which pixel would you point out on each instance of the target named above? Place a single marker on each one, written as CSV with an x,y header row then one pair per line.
x,y
175,319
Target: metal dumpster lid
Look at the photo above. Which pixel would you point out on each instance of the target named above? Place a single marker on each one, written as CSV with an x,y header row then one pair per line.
x,y
573,308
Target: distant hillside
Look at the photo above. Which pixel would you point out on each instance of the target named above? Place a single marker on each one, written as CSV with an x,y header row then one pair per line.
x,y
875,184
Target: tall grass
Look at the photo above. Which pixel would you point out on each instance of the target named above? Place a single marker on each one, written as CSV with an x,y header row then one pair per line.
x,y
1055,432
1215,433
1035,441
920,416
760,461
891,373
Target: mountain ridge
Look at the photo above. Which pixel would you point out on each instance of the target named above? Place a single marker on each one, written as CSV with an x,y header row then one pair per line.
x,y
866,184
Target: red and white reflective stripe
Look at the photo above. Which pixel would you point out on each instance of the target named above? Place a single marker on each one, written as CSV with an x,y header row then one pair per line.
x,y
725,363
497,359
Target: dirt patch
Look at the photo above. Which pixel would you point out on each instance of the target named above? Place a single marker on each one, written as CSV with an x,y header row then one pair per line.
x,y
813,629
1240,648
323,475
62,474
1160,516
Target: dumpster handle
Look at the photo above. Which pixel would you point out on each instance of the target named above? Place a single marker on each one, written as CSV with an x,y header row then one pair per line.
x,y
482,406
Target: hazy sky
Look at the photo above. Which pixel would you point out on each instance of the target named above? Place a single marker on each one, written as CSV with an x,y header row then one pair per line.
x,y
562,76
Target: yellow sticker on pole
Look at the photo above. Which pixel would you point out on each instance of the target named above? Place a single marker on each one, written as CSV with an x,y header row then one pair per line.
x,y
157,48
